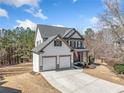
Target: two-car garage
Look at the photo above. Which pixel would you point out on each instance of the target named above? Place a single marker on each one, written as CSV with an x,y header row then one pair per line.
x,y
56,62
53,54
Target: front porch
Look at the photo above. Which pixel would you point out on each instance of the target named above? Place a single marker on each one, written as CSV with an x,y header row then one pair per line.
x,y
81,55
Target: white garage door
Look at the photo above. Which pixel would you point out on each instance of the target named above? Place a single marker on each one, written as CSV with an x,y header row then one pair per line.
x,y
64,61
49,63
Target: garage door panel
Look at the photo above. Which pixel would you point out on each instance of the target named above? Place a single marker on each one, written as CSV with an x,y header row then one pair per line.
x,y
49,63
64,62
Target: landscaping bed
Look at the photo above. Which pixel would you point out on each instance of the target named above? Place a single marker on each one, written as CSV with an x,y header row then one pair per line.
x,y
106,72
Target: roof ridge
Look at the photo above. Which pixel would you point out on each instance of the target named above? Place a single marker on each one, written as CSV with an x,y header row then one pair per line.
x,y
48,30
52,26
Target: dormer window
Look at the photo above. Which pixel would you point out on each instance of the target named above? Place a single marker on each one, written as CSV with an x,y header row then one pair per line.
x,y
57,42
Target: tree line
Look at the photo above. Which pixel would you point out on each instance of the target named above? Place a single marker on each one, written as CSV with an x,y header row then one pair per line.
x,y
108,41
16,45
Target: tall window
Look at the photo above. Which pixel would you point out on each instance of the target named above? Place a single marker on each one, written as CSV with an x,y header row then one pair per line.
x,y
67,41
57,42
38,42
74,44
70,43
77,44
81,44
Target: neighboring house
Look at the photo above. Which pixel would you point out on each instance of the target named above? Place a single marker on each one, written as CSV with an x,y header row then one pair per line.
x,y
57,48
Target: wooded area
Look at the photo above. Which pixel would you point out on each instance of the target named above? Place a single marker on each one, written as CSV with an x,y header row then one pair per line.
x,y
108,42
16,45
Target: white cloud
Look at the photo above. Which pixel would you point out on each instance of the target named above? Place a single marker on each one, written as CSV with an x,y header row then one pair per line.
x,y
3,12
19,3
58,25
75,1
26,23
94,20
37,13
35,9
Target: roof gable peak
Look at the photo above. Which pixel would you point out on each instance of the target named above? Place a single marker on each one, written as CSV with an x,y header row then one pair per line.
x,y
47,42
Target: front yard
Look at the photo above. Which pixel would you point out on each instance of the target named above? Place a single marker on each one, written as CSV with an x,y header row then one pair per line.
x,y
102,71
21,79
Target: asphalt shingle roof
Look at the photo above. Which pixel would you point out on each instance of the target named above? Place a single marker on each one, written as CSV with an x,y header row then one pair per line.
x,y
47,31
71,32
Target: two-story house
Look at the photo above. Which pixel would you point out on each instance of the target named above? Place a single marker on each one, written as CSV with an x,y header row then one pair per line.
x,y
57,48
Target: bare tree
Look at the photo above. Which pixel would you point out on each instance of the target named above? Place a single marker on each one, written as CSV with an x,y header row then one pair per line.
x,y
113,21
113,18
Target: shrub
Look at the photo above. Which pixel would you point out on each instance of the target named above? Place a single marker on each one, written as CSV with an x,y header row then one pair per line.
x,y
119,68
111,61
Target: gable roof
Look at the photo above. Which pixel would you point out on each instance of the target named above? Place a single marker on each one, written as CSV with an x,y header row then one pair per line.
x,y
47,42
47,31
71,32
68,32
77,33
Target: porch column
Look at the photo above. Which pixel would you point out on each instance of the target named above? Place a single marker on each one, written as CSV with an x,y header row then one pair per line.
x,y
87,56
81,56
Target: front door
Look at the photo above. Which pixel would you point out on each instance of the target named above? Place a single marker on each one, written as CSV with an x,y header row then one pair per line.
x,y
77,56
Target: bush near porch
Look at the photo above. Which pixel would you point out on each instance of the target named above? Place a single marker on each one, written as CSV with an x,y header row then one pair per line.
x,y
119,68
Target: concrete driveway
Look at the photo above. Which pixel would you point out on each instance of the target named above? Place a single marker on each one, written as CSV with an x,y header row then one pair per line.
x,y
75,81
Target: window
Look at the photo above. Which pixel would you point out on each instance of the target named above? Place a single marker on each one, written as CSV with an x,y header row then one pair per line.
x,y
38,42
70,43
77,44
74,44
44,39
57,43
81,44
67,41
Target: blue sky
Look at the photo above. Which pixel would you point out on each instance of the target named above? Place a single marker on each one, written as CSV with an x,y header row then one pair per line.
x,y
79,14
